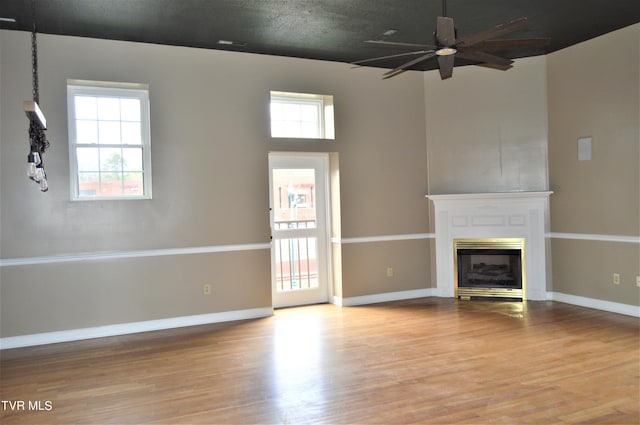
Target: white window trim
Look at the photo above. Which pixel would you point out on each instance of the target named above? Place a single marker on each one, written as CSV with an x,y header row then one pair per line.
x,y
111,89
326,122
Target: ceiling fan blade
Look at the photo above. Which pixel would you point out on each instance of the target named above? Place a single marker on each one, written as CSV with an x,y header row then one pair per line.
x,y
483,57
445,31
445,64
390,75
362,62
397,43
404,66
511,43
494,66
496,31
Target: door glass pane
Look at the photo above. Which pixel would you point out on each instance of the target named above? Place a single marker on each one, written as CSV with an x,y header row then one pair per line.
x,y
294,197
294,205
296,264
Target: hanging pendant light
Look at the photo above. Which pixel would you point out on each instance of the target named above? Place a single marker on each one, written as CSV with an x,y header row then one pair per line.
x,y
38,142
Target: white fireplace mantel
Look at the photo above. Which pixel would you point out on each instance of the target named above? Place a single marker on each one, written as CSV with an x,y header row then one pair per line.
x,y
493,215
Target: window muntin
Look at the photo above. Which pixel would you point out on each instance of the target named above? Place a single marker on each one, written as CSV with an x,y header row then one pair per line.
x,y
109,140
301,115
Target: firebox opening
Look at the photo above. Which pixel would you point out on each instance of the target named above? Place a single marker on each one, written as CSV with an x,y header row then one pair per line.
x,y
489,268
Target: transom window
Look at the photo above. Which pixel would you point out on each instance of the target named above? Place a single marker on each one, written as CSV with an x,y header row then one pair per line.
x,y
110,146
301,115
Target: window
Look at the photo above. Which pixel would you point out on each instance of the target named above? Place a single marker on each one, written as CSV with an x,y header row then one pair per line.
x,y
301,115
109,140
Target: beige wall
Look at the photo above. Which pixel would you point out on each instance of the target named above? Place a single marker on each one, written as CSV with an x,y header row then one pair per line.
x,y
210,139
62,296
487,129
594,90
365,267
585,268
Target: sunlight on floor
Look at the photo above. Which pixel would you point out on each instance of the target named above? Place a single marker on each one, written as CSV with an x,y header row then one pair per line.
x,y
297,360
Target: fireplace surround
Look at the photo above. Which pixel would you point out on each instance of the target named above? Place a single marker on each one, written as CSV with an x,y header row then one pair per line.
x,y
487,216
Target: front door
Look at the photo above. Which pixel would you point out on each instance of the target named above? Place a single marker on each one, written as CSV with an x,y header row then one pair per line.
x,y
299,250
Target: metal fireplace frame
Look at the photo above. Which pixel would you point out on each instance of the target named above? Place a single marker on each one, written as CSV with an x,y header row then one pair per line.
x,y
490,243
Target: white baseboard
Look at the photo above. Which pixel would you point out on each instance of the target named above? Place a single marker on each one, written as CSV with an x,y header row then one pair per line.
x,y
381,298
627,309
129,328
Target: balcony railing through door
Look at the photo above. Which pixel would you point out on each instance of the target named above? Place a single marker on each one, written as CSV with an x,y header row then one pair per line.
x,y
296,258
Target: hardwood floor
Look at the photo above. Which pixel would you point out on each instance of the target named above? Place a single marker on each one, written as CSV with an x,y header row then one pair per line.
x,y
429,360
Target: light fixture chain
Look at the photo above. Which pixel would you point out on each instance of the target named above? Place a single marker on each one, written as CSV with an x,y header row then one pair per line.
x,y
34,55
34,65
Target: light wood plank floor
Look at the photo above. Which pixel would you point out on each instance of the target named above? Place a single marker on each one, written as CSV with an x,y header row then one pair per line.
x,y
429,360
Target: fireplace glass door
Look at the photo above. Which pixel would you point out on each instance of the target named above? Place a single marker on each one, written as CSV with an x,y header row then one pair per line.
x,y
489,268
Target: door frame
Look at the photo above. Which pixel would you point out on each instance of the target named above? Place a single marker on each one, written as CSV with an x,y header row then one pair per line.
x,y
324,246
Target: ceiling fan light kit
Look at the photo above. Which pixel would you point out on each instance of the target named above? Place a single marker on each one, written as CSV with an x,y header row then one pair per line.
x,y
446,51
471,48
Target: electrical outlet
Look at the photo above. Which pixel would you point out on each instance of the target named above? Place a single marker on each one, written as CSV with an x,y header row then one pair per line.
x,y
389,271
206,289
638,281
616,278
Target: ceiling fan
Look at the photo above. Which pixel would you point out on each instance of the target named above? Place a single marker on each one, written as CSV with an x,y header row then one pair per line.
x,y
447,47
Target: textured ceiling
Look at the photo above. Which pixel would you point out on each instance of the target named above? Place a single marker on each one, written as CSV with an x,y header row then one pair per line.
x,y
333,30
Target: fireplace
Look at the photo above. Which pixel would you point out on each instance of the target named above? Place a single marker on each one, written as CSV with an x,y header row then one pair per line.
x,y
489,268
485,217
